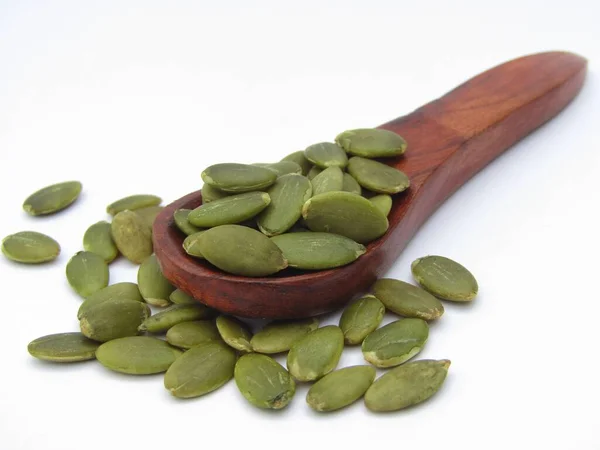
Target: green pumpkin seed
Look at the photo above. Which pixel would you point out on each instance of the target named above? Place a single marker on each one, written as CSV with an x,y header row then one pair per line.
x,y
349,184
377,177
98,239
346,214
395,343
132,203
210,193
181,298
164,320
153,285
113,319
326,154
234,333
316,354
238,178
264,382
279,336
63,347
180,217
233,209
124,290
200,370
313,172
287,194
191,245
444,278
407,385
87,273
30,247
340,388
137,355
282,167
383,203
371,143
299,158
52,199
190,334
149,214
331,179
241,251
132,236
407,300
318,251
360,319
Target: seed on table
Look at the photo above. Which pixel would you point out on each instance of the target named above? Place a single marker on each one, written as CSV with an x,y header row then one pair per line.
x,y
234,333
313,172
30,247
383,203
407,385
132,203
113,319
351,185
371,142
263,381
87,273
163,320
407,300
331,179
98,239
132,236
395,343
124,290
238,178
200,370
445,278
299,158
180,217
210,194
279,336
377,177
326,154
340,388
190,334
153,285
63,348
360,319
181,298
149,214
52,199
137,355
229,210
316,354
282,167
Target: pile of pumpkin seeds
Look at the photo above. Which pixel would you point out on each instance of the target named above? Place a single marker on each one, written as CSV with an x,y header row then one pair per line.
x,y
197,348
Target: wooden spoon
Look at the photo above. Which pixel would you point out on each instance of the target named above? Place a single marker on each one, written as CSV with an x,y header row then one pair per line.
x,y
449,140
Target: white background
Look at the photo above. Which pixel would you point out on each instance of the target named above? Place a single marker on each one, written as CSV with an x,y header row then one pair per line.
x,y
138,97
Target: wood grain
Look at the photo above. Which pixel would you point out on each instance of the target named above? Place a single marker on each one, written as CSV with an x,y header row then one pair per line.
x,y
449,140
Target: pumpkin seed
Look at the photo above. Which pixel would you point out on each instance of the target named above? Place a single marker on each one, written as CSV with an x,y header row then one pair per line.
x,y
287,194
190,334
180,217
383,203
316,354
132,236
113,319
331,179
407,300
30,247
173,315
395,343
241,251
299,158
191,245
124,290
137,355
210,193
52,199
407,385
350,184
371,142
232,209
153,285
149,214
235,333
263,381
181,298
282,167
326,154
340,388
238,178
63,347
279,336
318,251
377,177
200,370
347,214
361,318
132,203
313,172
98,239
87,273
445,278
